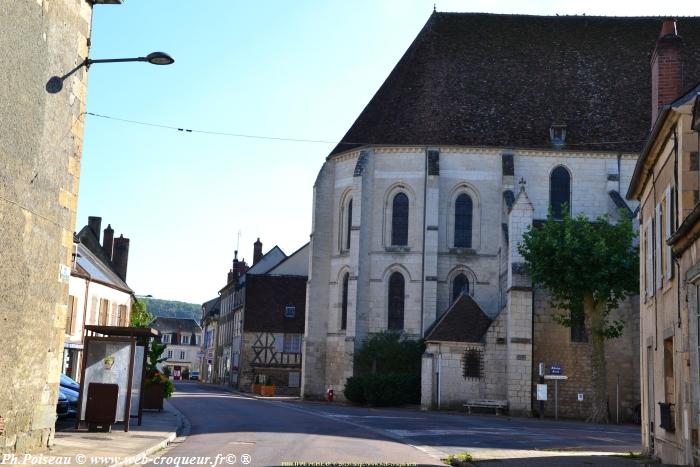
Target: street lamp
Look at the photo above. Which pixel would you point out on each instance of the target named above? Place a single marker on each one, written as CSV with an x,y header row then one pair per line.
x,y
55,83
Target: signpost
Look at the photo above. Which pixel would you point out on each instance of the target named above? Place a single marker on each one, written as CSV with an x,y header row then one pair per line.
x,y
556,378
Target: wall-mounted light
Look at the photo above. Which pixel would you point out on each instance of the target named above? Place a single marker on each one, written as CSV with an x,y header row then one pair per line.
x,y
55,83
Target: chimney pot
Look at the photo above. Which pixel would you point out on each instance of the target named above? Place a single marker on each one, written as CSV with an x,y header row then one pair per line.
x,y
120,256
257,251
108,241
668,28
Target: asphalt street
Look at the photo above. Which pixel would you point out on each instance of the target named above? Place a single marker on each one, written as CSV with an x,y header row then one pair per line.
x,y
274,432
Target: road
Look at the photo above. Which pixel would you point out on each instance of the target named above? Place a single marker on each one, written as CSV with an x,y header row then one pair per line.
x,y
272,432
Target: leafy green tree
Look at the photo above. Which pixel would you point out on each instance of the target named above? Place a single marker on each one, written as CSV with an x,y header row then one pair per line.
x,y
139,314
587,268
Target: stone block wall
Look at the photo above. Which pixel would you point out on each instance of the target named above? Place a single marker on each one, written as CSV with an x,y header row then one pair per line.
x,y
553,345
40,151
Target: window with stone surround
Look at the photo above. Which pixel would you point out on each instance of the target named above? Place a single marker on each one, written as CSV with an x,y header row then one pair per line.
x,y
399,220
397,287
472,363
463,221
578,327
559,191
348,225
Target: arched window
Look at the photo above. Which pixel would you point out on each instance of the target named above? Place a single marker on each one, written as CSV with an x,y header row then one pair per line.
x,y
559,191
463,221
348,226
460,285
344,304
397,289
399,220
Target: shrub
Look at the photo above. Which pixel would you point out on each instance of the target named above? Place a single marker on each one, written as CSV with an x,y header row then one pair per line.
x,y
388,371
355,390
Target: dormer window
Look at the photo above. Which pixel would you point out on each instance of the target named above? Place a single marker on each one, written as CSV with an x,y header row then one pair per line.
x,y
557,134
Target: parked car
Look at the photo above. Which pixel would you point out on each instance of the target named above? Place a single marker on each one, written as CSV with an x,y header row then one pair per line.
x,y
194,375
62,405
71,398
69,383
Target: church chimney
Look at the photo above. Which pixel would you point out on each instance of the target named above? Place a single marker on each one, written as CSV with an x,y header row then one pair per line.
x,y
257,251
666,69
108,241
120,257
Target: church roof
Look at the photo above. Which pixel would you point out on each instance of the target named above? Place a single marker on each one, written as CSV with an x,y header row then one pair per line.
x,y
464,321
474,79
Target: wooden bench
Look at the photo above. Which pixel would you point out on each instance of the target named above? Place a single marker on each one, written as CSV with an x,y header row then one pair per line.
x,y
486,404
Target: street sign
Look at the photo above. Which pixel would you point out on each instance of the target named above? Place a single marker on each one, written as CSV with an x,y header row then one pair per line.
x,y
580,397
541,392
555,377
554,369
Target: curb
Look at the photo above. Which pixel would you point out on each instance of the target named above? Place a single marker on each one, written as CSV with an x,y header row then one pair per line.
x,y
182,429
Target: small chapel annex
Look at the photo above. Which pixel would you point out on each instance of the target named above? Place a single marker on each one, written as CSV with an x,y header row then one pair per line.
x,y
485,123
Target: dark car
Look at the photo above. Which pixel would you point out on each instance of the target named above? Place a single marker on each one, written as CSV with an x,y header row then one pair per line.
x,y
71,398
69,383
62,409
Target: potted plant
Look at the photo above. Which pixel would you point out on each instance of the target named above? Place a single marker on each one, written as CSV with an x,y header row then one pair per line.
x,y
157,385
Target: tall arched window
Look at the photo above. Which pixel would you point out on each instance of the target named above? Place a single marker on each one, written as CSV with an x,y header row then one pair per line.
x,y
397,289
460,285
559,191
463,221
348,226
344,304
399,220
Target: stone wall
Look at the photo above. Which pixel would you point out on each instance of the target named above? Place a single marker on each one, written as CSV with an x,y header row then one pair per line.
x,y
553,345
40,150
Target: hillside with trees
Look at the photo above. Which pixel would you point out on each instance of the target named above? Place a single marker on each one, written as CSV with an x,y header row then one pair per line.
x,y
173,309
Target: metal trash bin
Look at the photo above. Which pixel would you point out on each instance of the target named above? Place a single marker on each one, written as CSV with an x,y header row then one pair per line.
x,y
101,406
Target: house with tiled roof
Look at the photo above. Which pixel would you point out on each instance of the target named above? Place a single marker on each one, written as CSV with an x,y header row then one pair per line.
x,y
484,125
183,337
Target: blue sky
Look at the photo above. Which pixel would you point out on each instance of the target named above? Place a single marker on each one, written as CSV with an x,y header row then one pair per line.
x,y
297,69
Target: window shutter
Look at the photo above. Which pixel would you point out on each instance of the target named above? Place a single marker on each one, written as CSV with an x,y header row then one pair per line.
x,y
657,248
648,251
668,226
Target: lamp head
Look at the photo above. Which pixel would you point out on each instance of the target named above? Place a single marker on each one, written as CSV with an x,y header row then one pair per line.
x,y
159,58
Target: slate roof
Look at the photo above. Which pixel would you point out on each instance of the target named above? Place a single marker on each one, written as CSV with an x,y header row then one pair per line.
x,y
88,264
211,308
476,79
182,325
464,321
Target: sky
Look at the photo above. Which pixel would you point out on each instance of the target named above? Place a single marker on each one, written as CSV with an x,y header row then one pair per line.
x,y
282,69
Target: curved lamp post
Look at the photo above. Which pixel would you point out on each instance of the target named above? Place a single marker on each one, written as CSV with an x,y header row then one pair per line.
x,y
55,83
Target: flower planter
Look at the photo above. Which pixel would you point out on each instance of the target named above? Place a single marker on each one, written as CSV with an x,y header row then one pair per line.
x,y
153,397
255,388
267,391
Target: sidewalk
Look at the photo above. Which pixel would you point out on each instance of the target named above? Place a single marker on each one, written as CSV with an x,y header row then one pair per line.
x,y
117,448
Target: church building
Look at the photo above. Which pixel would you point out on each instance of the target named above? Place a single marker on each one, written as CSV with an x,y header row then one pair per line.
x,y
485,124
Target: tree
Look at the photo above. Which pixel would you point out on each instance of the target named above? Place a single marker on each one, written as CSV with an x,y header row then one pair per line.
x,y
587,268
139,314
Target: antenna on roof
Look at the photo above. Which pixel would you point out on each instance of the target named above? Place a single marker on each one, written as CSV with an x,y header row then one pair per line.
x,y
434,7
238,239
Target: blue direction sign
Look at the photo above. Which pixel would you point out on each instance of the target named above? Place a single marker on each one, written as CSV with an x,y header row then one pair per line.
x,y
554,369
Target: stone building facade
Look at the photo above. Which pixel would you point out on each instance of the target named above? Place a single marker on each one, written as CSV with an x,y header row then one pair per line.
x,y
437,156
666,182
40,150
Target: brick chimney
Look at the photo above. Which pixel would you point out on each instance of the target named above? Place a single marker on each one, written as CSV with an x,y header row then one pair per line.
x,y
666,69
95,224
120,256
108,241
257,251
